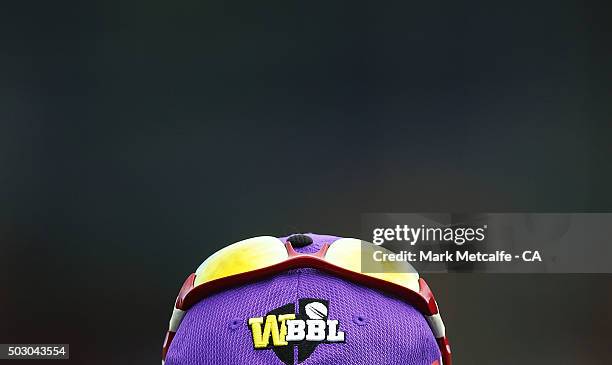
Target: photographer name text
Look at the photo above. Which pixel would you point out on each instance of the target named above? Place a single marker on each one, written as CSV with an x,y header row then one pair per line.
x,y
456,256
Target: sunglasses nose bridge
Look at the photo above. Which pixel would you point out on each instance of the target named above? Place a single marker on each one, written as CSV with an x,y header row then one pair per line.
x,y
293,253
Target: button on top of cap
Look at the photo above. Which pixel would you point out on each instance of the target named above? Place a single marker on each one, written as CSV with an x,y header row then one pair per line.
x,y
299,240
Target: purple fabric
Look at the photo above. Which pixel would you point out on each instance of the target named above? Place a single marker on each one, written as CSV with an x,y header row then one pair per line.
x,y
317,242
379,329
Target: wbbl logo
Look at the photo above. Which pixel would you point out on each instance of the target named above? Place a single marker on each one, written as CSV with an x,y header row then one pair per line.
x,y
282,329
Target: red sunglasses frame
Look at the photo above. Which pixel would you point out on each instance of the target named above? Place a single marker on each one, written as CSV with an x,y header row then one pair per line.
x,y
423,301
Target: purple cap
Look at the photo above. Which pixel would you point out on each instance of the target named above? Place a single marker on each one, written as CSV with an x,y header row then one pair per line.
x,y
335,322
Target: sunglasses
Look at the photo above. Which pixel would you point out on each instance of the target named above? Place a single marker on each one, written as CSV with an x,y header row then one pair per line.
x,y
257,258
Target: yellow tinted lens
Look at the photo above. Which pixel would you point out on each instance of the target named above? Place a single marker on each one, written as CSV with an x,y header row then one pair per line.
x,y
351,253
240,257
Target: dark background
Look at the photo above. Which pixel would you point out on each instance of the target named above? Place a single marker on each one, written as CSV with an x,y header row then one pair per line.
x,y
137,138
